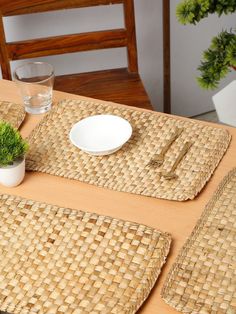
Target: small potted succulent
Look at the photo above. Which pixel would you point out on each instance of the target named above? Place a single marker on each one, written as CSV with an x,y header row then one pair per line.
x,y
12,155
220,58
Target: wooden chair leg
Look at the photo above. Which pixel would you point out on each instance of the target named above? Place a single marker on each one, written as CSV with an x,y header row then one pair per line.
x,y
166,56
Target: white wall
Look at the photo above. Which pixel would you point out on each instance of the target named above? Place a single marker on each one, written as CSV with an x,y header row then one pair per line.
x,y
187,43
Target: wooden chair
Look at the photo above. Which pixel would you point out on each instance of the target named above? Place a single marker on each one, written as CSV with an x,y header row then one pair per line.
x,y
121,85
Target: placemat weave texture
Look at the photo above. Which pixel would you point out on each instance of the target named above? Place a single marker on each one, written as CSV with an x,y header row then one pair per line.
x,y
203,278
127,170
12,113
58,260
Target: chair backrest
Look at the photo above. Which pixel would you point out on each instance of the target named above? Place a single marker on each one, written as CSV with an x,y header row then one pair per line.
x,y
113,38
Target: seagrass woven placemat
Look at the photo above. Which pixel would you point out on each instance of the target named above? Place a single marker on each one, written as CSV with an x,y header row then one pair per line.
x,y
203,278
12,113
128,169
58,260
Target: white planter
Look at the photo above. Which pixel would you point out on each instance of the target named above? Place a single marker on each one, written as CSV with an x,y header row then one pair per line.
x,y
225,104
12,175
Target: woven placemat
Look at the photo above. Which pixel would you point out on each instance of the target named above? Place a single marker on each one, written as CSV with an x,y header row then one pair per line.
x,y
12,113
203,278
59,260
128,169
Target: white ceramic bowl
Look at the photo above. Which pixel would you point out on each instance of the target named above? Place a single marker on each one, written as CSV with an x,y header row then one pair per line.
x,y
100,134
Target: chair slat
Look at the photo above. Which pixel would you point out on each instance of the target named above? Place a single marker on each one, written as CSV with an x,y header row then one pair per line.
x,y
67,44
18,7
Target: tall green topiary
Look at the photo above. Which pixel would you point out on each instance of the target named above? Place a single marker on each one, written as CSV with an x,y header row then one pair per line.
x,y
220,57
12,146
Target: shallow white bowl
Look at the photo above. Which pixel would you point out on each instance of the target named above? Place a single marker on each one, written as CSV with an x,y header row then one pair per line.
x,y
100,134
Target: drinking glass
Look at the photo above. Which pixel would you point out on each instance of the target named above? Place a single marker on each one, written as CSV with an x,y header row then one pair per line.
x,y
35,81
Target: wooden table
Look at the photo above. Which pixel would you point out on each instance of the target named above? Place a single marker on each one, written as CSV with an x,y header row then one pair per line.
x,y
177,218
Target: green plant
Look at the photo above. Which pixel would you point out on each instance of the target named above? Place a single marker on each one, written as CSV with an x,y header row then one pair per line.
x,y
219,59
12,146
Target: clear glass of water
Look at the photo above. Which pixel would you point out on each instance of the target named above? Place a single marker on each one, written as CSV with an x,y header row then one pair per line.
x,y
35,81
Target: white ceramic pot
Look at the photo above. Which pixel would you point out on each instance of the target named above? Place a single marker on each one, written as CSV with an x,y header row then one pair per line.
x,y
12,175
225,104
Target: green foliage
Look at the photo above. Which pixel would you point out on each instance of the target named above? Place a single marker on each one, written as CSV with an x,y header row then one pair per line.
x,y
192,11
12,146
219,58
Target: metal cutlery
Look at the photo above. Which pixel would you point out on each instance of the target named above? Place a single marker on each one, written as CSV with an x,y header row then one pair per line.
x,y
158,159
171,174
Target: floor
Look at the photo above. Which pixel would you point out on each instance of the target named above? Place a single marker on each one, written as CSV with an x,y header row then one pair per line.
x,y
209,116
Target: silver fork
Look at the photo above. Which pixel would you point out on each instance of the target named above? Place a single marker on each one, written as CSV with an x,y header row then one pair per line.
x,y
171,174
158,159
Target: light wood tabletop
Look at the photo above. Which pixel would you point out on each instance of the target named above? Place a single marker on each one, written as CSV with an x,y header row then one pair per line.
x,y
177,218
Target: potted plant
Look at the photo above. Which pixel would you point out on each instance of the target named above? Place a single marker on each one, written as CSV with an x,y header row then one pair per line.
x,y
220,58
12,155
